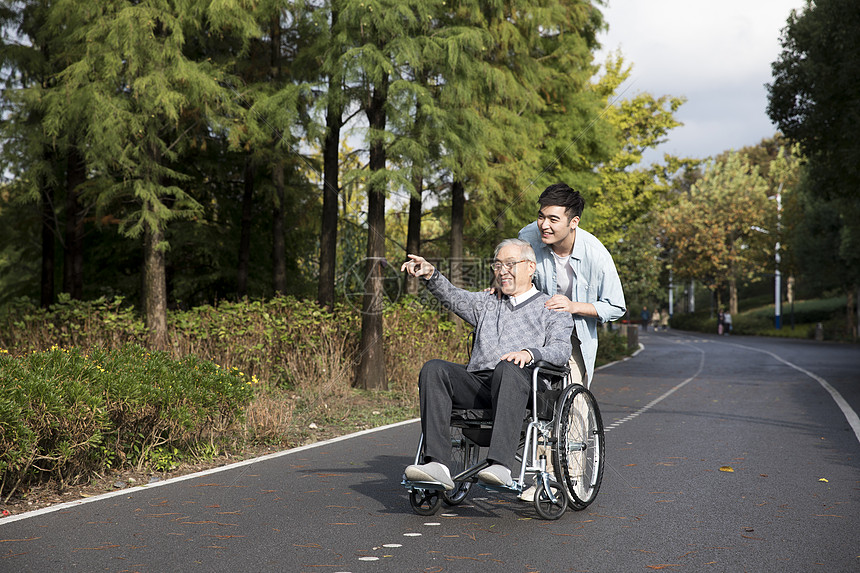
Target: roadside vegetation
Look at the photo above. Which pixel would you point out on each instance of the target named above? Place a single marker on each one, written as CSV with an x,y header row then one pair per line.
x,y
80,397
807,319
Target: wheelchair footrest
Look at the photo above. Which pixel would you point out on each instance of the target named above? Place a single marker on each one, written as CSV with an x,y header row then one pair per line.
x,y
515,487
426,485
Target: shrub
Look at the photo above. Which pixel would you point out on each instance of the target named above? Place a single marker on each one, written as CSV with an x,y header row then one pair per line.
x,y
611,346
695,321
87,324
65,414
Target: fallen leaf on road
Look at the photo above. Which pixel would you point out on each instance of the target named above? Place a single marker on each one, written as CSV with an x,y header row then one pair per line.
x,y
727,469
824,480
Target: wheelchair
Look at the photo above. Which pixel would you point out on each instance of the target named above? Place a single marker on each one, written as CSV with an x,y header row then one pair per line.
x,y
562,419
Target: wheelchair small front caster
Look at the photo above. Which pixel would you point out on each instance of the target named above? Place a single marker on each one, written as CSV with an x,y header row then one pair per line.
x,y
553,503
425,502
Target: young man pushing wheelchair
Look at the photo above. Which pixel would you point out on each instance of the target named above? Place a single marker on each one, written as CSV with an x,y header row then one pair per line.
x,y
511,334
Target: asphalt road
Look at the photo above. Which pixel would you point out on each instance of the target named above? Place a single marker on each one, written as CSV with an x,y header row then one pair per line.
x,y
679,415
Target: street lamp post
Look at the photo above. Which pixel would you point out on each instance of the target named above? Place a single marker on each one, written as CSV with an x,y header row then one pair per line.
x,y
671,295
777,318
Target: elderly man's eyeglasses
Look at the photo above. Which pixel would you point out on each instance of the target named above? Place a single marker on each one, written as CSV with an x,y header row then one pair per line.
x,y
497,266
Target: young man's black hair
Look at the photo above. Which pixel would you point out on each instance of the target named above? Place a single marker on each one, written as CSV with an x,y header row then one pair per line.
x,y
562,195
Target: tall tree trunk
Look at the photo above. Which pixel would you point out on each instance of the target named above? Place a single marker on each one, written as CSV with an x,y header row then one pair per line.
x,y
155,288
733,297
458,217
73,266
413,228
328,231
857,313
245,236
501,218
279,265
48,249
331,184
850,325
370,372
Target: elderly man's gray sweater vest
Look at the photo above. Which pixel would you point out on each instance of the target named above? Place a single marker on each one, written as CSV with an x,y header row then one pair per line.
x,y
501,327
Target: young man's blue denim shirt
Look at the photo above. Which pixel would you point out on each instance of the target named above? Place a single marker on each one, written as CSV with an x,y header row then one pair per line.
x,y
595,281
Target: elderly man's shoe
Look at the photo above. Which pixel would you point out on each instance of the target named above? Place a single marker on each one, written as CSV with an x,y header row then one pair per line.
x,y
496,474
431,472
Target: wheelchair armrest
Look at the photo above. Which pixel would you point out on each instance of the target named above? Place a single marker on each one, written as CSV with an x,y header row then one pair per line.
x,y
551,369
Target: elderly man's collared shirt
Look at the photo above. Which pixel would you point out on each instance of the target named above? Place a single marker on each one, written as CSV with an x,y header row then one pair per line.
x,y
515,300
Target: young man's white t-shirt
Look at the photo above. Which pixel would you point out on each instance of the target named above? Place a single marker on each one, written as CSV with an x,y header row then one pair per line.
x,y
563,275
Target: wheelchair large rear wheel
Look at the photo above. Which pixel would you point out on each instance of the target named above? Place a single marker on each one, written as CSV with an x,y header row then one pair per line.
x,y
579,445
464,455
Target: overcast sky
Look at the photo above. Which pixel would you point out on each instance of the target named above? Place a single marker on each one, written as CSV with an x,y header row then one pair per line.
x,y
716,54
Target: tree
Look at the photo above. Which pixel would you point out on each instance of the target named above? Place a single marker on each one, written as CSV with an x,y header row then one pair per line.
x,y
815,93
814,100
383,33
714,232
538,119
142,96
620,209
628,191
325,67
31,54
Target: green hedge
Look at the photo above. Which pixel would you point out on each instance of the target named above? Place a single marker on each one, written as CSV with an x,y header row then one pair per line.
x,y
760,321
64,413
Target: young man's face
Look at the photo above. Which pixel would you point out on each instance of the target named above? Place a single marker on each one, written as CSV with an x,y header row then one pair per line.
x,y
554,225
517,279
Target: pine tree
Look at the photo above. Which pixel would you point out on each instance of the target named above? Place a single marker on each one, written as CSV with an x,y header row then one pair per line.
x,y
142,96
33,54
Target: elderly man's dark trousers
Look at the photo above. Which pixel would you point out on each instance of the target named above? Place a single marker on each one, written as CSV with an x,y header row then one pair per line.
x,y
444,386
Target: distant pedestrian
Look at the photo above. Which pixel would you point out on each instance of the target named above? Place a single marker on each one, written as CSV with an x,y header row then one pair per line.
x,y
721,322
645,317
727,323
655,319
664,320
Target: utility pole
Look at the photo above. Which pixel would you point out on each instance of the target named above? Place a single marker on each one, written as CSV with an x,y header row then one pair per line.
x,y
671,295
777,318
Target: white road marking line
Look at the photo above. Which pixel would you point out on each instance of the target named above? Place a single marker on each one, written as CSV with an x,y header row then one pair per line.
x,y
132,490
847,411
665,395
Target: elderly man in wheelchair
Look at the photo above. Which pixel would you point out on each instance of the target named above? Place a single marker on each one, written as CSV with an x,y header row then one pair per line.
x,y
511,398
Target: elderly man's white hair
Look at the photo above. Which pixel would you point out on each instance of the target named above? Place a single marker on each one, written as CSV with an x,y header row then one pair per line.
x,y
526,250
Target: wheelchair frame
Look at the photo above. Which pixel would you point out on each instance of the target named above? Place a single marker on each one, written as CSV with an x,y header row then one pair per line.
x,y
573,432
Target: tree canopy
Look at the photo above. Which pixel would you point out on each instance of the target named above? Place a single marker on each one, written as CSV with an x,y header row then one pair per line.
x,y
815,100
176,154
815,95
